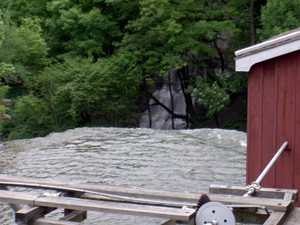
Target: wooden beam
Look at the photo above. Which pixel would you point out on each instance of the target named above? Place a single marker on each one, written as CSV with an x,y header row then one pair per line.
x,y
75,216
169,222
93,205
17,197
29,214
173,222
250,216
115,207
183,198
140,200
122,200
138,192
293,218
192,221
21,198
26,215
15,207
271,204
81,187
45,221
276,218
288,196
262,193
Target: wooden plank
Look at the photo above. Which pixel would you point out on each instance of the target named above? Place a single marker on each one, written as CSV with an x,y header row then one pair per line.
x,y
103,206
81,187
144,201
189,198
165,212
25,215
275,193
15,207
274,204
169,222
276,218
144,193
288,196
173,222
75,216
29,214
114,207
293,218
271,204
192,221
250,215
16,197
45,221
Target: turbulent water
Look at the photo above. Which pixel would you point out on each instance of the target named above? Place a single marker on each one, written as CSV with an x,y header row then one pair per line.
x,y
180,160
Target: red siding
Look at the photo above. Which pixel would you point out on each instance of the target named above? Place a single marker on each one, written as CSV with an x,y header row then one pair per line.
x,y
268,115
286,74
297,128
254,120
274,117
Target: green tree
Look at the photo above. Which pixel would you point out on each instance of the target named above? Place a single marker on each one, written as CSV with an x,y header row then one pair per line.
x,y
279,16
80,91
79,29
5,71
88,62
192,37
20,9
3,108
28,119
23,53
215,95
24,50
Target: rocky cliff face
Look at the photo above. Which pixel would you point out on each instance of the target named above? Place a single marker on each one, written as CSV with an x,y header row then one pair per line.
x,y
167,106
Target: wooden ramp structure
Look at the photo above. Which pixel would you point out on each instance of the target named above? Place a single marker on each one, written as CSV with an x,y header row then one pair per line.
x,y
267,206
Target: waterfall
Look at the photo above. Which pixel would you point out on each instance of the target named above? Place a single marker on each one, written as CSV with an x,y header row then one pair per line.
x,y
167,100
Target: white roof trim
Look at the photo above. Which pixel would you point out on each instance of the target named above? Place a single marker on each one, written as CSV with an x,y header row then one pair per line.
x,y
277,46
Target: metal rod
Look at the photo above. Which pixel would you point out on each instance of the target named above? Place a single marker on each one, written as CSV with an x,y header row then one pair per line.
x,y
112,196
270,164
255,185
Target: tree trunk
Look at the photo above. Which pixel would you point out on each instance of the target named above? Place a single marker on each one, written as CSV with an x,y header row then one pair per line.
x,y
172,100
190,112
149,112
252,23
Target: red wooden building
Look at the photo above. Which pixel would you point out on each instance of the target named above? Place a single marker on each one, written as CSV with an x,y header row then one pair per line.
x,y
273,108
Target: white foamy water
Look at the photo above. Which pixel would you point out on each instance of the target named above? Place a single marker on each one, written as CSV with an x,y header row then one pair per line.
x,y
171,160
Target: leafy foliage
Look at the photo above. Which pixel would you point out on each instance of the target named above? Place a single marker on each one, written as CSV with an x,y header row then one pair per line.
x,y
279,16
70,25
76,63
23,51
211,96
79,90
215,95
28,118
3,108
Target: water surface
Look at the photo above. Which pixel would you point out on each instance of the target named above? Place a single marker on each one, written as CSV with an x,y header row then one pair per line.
x,y
180,160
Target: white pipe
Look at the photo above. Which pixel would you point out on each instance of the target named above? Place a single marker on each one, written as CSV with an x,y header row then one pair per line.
x,y
268,167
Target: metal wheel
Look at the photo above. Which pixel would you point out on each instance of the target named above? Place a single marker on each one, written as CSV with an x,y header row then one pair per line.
x,y
214,213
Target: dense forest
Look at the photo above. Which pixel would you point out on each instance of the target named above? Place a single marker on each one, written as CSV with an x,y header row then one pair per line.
x,y
71,63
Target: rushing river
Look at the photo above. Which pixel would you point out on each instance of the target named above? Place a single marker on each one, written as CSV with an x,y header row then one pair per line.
x,y
180,160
